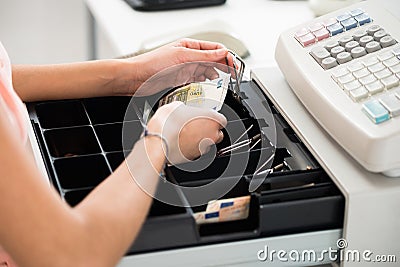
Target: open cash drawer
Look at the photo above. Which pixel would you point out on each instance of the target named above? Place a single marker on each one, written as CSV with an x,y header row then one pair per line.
x,y
80,141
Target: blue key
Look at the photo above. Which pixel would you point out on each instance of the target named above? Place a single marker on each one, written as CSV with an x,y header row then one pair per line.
x,y
375,111
356,12
343,17
363,18
335,29
349,23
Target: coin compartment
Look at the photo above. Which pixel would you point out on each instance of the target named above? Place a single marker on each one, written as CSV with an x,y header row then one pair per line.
x,y
58,114
74,141
110,135
321,203
81,172
107,109
115,159
233,165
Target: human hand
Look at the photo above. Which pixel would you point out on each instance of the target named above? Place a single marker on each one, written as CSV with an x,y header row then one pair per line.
x,y
181,51
189,131
203,55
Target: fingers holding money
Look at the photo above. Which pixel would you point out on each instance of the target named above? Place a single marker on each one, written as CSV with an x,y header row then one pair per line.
x,y
206,118
200,71
189,131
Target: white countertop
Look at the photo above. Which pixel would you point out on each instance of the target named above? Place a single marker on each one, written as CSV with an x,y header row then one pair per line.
x,y
257,23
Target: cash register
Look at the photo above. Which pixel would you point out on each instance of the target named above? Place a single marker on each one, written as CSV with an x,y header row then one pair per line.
x,y
318,196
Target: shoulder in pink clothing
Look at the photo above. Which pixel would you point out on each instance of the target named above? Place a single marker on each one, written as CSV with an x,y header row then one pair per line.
x,y
9,100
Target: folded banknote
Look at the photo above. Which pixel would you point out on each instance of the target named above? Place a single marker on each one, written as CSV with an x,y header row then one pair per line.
x,y
209,94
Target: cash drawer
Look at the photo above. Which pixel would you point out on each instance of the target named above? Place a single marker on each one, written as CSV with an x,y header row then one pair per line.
x,y
299,198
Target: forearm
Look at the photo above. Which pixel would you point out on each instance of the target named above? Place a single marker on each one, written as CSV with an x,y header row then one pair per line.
x,y
40,230
117,222
76,80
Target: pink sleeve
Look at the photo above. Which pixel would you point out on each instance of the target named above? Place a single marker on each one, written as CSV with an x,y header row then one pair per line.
x,y
9,98
5,259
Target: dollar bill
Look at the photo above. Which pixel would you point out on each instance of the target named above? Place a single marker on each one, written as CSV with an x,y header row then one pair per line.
x,y
209,94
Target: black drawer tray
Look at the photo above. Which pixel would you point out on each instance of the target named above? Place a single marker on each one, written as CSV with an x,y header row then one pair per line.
x,y
300,197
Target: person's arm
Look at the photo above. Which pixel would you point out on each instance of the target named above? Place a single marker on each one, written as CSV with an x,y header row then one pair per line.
x,y
38,229
73,80
108,77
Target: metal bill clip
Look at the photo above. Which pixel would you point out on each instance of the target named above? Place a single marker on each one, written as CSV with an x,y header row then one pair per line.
x,y
251,141
238,70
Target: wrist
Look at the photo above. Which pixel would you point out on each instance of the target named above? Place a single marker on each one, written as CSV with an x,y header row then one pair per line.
x,y
155,125
165,145
127,78
155,151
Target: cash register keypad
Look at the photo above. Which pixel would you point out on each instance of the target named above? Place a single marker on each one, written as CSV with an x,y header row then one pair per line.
x,y
349,47
378,77
373,80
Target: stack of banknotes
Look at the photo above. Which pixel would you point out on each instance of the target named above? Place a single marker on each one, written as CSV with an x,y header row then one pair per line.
x,y
208,94
223,210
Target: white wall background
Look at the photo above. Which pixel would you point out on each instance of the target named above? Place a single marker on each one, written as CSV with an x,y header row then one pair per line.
x,y
44,31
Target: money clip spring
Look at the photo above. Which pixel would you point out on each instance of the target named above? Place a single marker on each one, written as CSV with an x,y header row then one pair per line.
x,y
241,144
238,71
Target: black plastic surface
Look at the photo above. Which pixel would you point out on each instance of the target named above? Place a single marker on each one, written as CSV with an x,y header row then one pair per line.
x,y
158,5
81,141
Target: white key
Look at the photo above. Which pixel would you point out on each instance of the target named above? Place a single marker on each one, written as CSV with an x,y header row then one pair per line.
x,y
339,73
396,51
355,67
328,63
373,29
397,93
375,87
361,73
350,45
383,74
395,68
343,57
359,34
345,79
385,56
367,79
377,67
379,35
351,86
337,50
370,61
358,51
358,94
391,103
330,45
365,40
372,47
390,82
391,62
344,40
319,53
387,41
